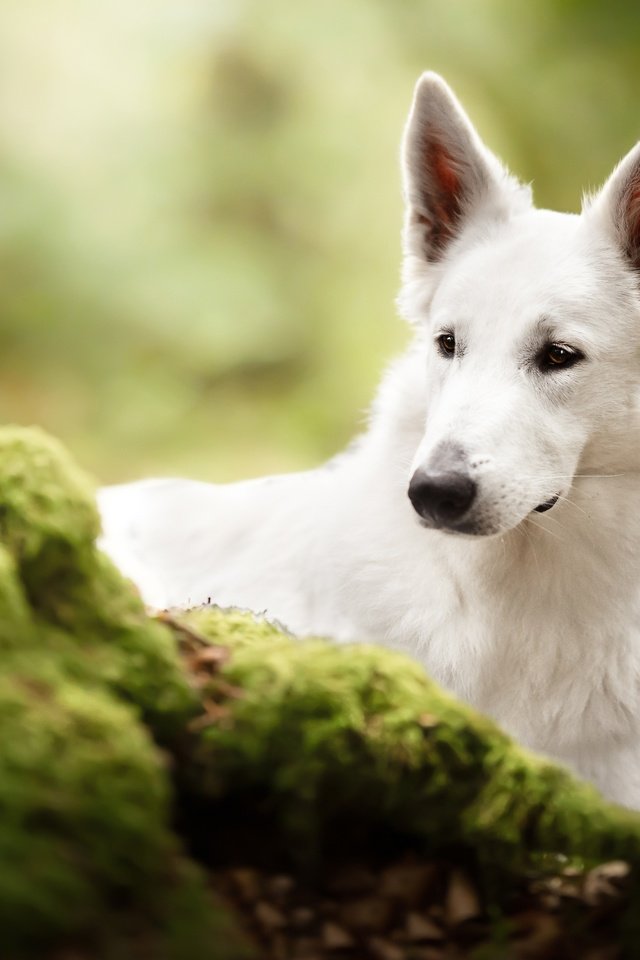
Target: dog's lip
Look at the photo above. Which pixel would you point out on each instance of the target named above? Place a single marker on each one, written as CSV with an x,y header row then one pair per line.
x,y
551,502
462,529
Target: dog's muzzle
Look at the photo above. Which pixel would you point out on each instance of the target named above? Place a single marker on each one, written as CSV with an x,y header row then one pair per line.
x,y
441,498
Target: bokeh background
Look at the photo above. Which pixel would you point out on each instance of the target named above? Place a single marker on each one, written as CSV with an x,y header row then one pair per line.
x,y
200,205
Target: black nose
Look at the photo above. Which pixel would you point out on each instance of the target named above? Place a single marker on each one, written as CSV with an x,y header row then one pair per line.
x,y
441,498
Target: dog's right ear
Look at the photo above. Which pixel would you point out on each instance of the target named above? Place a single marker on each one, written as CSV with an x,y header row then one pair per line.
x,y
449,175
617,207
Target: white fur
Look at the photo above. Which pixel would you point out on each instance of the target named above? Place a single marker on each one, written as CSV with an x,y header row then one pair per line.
x,y
533,617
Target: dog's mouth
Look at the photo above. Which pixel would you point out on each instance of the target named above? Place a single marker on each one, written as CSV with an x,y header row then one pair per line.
x,y
543,507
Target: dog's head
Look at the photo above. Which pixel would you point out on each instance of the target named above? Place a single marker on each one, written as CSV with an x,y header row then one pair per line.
x,y
531,323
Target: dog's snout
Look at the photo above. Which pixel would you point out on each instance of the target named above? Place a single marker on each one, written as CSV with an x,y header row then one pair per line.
x,y
443,497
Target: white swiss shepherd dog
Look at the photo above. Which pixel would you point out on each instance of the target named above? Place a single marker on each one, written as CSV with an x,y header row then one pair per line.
x,y
488,522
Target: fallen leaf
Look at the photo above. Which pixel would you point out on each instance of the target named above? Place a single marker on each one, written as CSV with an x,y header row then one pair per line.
x,y
409,882
335,937
384,950
419,928
462,901
268,917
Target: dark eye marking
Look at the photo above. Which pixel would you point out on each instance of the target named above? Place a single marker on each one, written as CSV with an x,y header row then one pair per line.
x,y
446,345
557,356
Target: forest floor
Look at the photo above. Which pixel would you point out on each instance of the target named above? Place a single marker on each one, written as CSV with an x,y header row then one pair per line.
x,y
415,909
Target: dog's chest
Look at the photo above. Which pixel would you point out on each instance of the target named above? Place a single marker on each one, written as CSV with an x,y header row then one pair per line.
x,y
557,667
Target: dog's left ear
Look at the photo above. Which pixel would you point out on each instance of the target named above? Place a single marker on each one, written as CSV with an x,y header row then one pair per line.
x,y
617,206
450,178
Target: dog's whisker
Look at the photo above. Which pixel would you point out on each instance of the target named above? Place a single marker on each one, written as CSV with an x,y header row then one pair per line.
x,y
540,526
557,523
574,476
527,535
601,476
573,504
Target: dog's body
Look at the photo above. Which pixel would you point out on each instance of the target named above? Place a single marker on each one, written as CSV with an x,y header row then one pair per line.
x,y
514,421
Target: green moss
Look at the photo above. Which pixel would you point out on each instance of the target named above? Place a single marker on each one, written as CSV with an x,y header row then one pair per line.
x,y
83,800
46,503
87,855
116,642
15,616
48,525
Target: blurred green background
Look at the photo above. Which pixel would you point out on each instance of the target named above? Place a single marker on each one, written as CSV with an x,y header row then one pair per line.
x,y
200,203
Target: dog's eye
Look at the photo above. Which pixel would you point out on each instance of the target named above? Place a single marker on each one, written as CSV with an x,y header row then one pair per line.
x,y
447,344
556,356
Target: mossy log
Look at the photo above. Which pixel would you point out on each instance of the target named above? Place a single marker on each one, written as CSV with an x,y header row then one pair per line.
x,y
125,737
90,688
355,742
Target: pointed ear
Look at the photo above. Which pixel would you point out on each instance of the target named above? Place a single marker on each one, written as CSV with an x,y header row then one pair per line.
x,y
449,175
617,207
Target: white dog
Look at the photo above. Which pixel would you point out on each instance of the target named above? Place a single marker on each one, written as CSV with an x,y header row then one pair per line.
x,y
488,522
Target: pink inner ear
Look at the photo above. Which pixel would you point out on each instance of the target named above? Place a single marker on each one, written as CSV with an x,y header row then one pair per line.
x,y
443,198
632,220
442,164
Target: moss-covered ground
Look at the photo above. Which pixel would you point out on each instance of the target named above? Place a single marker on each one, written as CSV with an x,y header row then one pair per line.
x,y
137,754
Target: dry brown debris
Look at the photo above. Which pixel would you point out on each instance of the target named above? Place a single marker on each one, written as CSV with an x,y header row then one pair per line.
x,y
202,661
415,910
